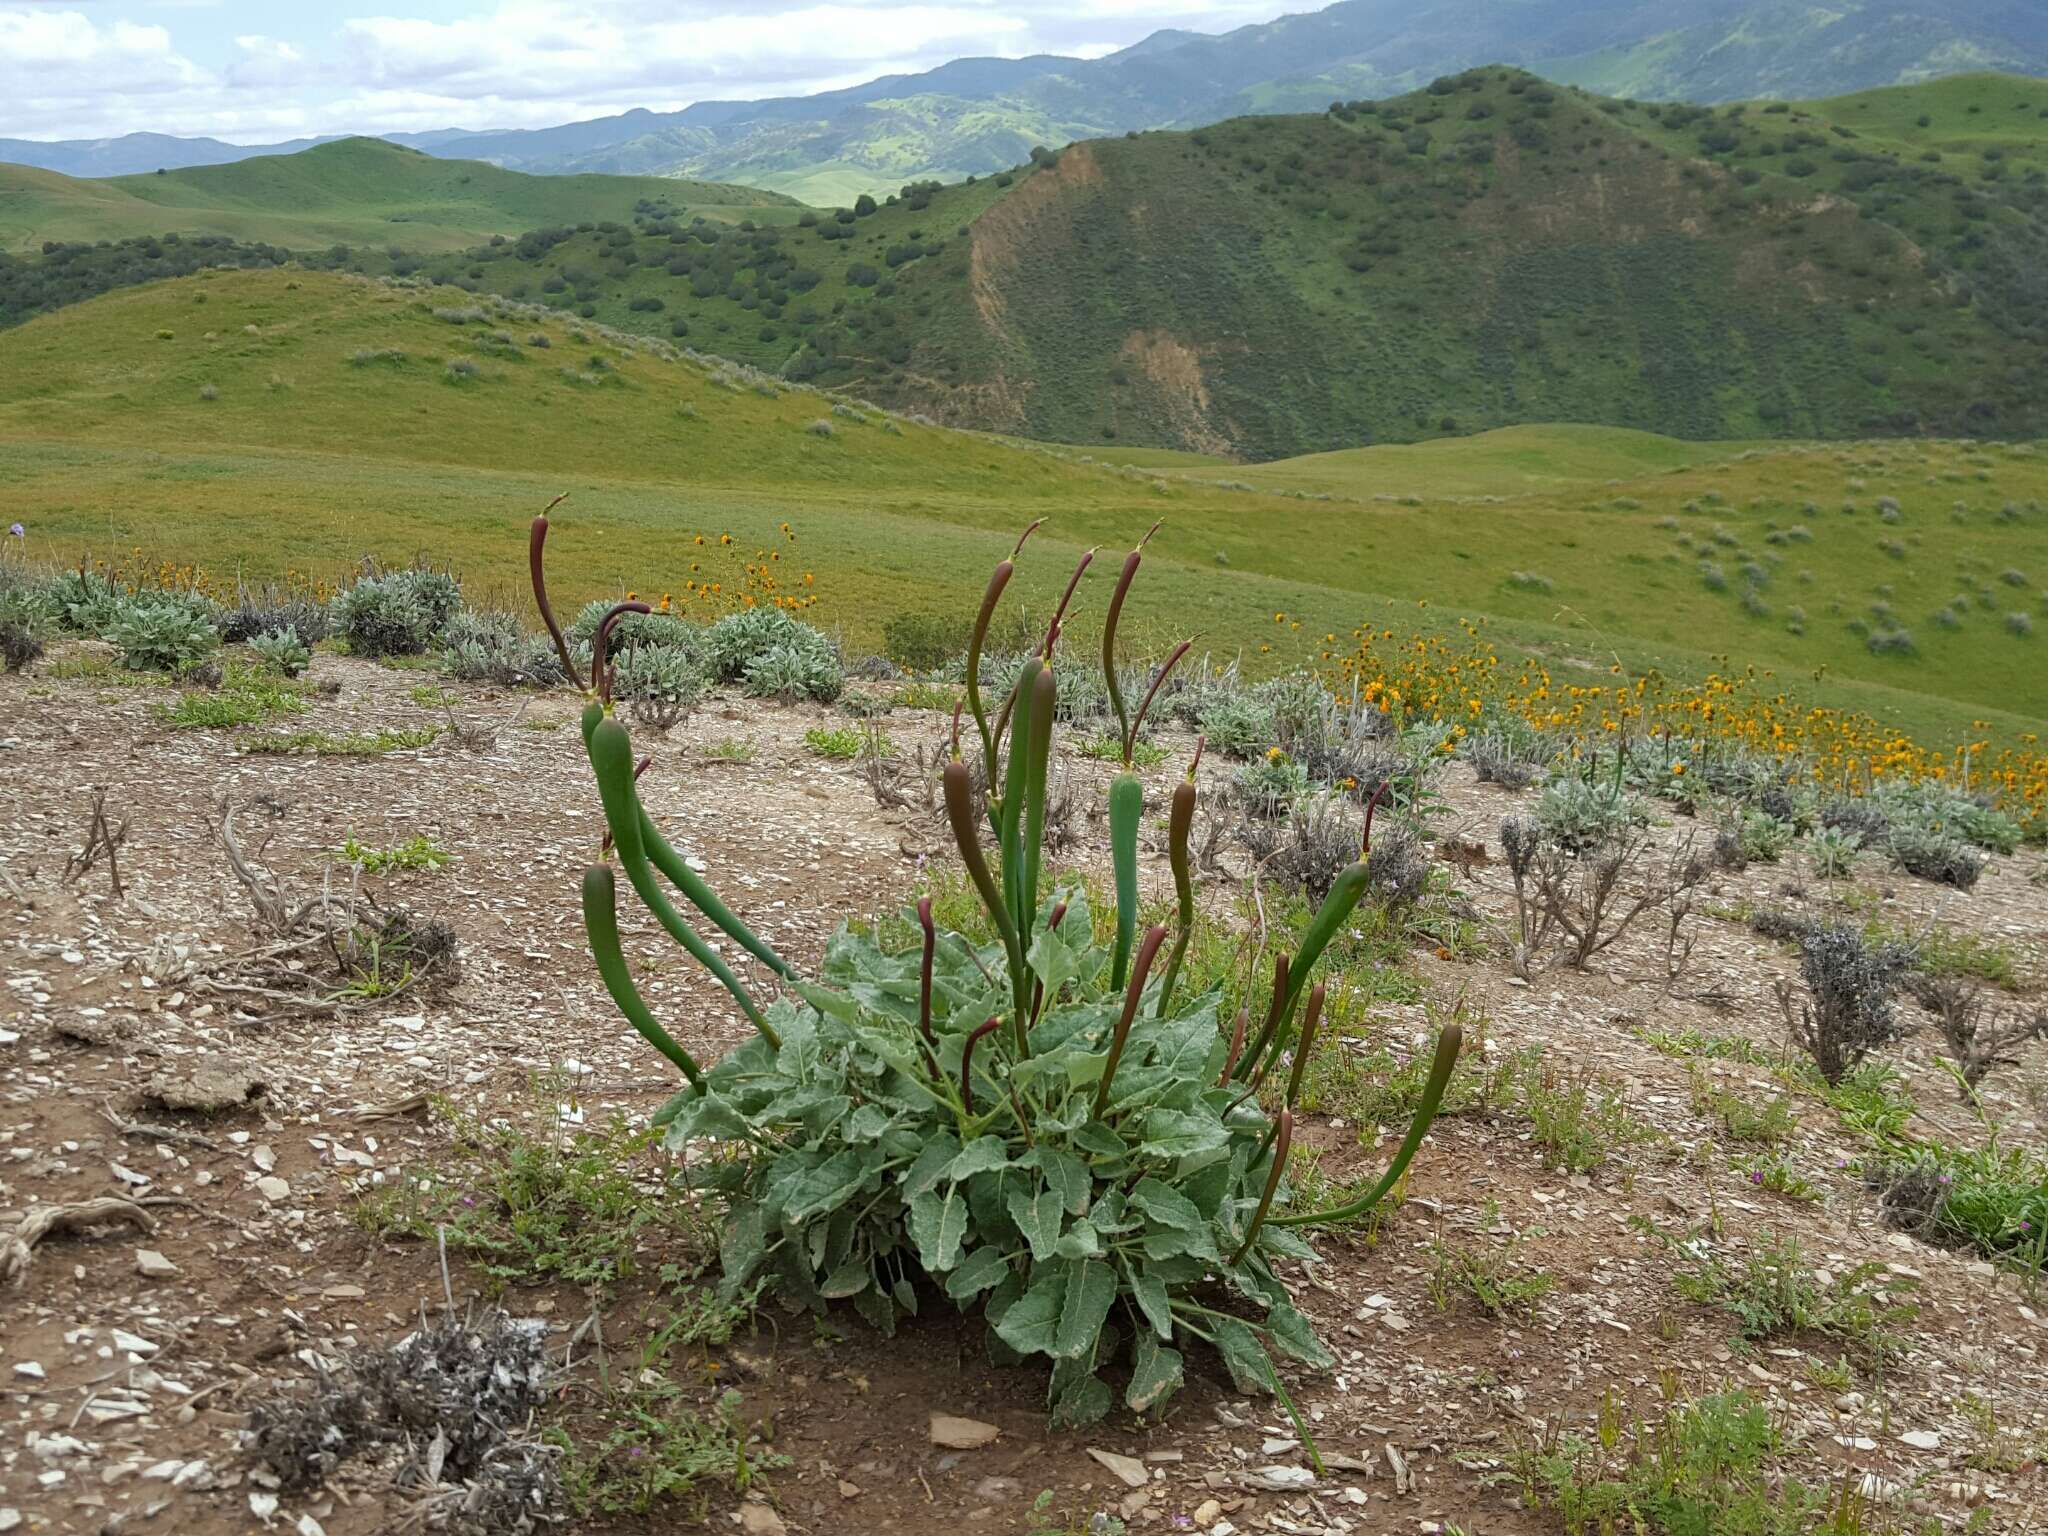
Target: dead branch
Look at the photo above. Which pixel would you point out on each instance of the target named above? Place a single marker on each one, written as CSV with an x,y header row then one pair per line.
x,y
156,1132
18,1246
101,838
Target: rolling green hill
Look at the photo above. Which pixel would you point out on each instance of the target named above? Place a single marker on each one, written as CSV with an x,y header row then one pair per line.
x,y
1491,250
194,418
353,191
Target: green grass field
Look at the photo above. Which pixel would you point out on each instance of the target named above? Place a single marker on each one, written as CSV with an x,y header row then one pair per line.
x,y
306,457
351,192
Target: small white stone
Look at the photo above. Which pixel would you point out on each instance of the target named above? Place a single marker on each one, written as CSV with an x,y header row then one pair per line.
x,y
154,1265
1921,1439
134,1343
32,1369
273,1188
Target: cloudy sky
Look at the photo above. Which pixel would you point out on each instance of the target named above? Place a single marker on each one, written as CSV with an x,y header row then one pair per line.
x,y
257,70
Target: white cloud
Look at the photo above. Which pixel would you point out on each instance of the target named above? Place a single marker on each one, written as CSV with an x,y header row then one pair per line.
x,y
508,63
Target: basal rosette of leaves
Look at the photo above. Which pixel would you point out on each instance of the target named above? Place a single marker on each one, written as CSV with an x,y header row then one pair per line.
x,y
1041,1128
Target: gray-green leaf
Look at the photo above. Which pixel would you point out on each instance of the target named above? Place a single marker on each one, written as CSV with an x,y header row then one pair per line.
x,y
1038,1217
1029,1325
1156,1373
1090,1291
981,1269
982,1155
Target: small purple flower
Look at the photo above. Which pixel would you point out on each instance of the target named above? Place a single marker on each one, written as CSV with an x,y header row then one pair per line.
x,y
1756,1175
17,531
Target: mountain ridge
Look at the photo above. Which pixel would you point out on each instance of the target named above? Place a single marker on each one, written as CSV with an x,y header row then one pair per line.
x,y
974,116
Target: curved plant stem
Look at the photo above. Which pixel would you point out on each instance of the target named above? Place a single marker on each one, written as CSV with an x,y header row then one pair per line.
x,y
1244,1020
1044,700
1447,1047
601,922
967,1062
1052,630
1285,1139
1180,825
1282,968
611,759
924,972
1303,1044
601,669
1147,951
700,895
959,796
989,598
536,552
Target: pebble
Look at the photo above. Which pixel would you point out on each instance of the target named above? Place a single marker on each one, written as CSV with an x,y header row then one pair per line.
x,y
32,1369
153,1265
273,1188
10,1519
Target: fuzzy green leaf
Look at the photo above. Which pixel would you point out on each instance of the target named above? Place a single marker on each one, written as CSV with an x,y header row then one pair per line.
x,y
742,1246
1066,1175
979,1271
1090,1291
1085,1400
984,1154
1037,1215
1243,1356
1029,1326
930,1167
1150,1292
937,1227
1156,1374
1295,1336
824,1186
1080,1241
1176,1133
1167,1206
849,1279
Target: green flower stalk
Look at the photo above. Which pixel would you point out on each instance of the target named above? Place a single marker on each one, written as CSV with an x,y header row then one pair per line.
x,y
601,922
1446,1062
611,758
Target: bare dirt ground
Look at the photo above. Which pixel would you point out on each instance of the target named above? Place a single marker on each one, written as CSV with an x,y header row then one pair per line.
x,y
126,1381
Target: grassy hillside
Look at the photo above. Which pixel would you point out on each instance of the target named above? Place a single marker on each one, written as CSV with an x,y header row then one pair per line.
x,y
195,418
354,191
1486,252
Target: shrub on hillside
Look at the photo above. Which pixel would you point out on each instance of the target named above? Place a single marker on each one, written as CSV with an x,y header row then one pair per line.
x,y
1848,1009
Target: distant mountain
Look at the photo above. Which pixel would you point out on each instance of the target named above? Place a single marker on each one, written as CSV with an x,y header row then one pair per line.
x,y
134,153
975,116
347,192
